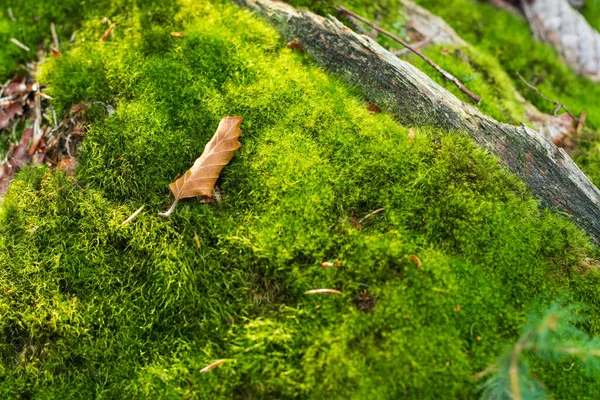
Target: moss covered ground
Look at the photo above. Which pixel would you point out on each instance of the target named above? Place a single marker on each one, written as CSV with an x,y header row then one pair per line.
x,y
91,308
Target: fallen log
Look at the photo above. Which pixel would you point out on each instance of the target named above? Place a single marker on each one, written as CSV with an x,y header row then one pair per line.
x,y
413,98
557,23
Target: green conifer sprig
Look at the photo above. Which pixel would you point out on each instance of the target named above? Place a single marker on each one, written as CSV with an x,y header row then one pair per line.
x,y
551,335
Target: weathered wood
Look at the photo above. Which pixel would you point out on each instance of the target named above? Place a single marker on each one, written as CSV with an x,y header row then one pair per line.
x,y
422,24
556,22
413,98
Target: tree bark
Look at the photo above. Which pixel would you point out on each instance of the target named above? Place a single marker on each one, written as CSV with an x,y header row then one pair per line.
x,y
422,25
413,98
557,23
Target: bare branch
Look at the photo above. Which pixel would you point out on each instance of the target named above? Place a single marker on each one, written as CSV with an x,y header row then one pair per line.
x,y
557,104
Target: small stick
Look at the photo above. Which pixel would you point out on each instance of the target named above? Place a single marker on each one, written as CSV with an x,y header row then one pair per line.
x,y
492,368
444,73
68,145
38,132
369,215
132,216
317,291
54,37
44,96
108,31
11,15
372,34
417,45
558,104
581,122
21,45
3,88
213,365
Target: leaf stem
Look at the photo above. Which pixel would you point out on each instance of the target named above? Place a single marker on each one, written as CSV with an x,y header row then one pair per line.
x,y
170,210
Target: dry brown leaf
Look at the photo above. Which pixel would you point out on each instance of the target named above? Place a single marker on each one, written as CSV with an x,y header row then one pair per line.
x,y
177,34
199,181
68,165
7,114
55,51
295,44
373,108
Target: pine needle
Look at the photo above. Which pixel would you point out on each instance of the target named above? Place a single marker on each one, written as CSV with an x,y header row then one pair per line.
x,y
132,216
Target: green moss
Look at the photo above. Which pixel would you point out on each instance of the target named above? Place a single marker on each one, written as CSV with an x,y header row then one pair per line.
x,y
591,11
31,26
482,74
490,64
93,308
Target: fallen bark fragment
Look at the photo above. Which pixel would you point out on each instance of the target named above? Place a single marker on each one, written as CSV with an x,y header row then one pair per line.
x,y
413,98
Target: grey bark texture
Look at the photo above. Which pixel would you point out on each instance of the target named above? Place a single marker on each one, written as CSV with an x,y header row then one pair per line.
x,y
413,98
557,23
422,25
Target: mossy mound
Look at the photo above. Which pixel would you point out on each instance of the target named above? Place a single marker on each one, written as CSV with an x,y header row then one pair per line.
x,y
91,308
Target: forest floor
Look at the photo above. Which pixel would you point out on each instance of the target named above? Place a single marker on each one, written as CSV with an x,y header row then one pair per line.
x,y
434,287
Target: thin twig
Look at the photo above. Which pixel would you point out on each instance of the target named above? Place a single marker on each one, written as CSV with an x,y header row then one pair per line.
x,y
213,365
132,216
3,88
491,369
21,45
513,371
327,291
108,31
11,15
54,37
369,215
372,33
558,105
417,45
38,132
68,145
576,352
444,73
